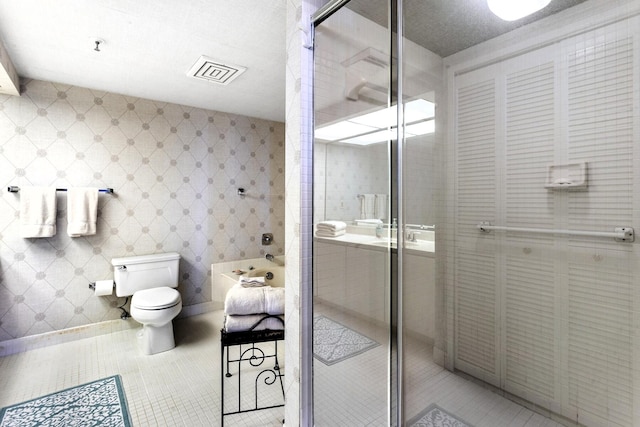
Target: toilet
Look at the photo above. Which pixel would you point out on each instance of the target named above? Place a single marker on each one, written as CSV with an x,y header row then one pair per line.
x,y
151,281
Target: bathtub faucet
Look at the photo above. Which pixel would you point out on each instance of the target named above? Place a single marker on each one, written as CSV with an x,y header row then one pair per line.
x,y
269,257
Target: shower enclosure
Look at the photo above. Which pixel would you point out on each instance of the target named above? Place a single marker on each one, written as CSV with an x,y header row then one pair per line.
x,y
488,175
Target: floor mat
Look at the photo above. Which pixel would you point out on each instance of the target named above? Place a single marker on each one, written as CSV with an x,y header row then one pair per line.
x,y
98,403
334,342
434,416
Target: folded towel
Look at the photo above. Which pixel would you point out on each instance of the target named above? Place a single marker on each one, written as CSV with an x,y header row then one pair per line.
x,y
254,322
243,301
368,221
331,225
251,282
37,212
273,300
82,211
323,233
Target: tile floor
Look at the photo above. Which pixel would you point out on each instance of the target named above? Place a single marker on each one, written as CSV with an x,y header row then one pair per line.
x,y
182,387
353,392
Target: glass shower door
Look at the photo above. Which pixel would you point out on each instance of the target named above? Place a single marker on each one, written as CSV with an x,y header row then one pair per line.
x,y
353,232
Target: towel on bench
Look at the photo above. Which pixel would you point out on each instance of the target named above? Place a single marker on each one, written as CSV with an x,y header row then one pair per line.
x,y
244,301
253,322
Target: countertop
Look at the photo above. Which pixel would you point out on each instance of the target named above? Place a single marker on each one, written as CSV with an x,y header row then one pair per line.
x,y
364,237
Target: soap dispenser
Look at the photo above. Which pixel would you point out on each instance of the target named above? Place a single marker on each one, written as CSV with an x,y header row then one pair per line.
x,y
379,230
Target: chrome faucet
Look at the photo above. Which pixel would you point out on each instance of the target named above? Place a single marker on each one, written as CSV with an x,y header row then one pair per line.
x,y
269,257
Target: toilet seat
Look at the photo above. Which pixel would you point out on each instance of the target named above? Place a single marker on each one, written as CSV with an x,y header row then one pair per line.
x,y
155,298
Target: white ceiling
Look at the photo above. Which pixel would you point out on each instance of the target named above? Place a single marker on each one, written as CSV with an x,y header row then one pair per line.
x,y
149,45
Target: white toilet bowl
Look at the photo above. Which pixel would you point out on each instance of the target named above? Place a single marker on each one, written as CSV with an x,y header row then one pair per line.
x,y
156,308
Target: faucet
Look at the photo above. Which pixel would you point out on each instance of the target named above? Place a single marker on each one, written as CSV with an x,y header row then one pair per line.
x,y
269,257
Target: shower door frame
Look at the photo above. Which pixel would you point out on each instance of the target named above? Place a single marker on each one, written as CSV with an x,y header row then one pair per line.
x,y
395,158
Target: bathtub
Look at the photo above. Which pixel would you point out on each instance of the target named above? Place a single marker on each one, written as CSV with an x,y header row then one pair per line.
x,y
223,276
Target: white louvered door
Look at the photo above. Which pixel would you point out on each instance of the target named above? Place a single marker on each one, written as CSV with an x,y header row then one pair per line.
x,y
553,320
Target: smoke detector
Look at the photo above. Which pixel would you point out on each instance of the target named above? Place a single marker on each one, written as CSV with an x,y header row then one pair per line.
x,y
214,71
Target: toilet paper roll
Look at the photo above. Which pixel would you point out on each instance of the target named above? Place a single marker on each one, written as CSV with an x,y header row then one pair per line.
x,y
104,287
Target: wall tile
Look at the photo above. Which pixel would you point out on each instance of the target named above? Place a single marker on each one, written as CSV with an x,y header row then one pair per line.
x,y
175,170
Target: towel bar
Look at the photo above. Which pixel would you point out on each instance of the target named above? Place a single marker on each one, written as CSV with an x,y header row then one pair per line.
x,y
620,234
15,189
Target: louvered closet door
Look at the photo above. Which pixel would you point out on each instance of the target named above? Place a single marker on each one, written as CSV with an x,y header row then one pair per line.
x,y
529,262
552,319
603,281
476,296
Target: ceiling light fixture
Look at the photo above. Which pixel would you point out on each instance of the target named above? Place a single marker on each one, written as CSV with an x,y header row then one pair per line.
x,y
510,10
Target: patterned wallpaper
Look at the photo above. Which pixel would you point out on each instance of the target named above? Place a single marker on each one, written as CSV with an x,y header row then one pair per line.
x,y
175,171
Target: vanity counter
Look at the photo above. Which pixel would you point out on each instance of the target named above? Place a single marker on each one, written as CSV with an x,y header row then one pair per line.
x,y
364,237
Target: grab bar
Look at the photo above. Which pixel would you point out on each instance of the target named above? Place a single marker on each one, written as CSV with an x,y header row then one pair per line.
x,y
15,189
420,227
621,234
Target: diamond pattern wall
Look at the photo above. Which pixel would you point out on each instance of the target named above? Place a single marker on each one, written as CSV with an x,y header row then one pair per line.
x,y
175,171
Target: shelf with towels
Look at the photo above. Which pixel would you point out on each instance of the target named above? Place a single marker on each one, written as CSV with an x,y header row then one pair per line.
x,y
15,189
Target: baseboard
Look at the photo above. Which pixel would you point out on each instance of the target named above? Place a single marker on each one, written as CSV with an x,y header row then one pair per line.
x,y
32,342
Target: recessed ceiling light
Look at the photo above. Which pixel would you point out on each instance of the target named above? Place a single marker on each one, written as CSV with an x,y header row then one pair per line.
x,y
511,10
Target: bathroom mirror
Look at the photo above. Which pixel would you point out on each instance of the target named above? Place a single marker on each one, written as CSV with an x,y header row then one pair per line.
x,y
349,171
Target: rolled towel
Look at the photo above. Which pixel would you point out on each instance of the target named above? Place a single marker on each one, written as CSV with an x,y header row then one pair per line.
x,y
37,212
323,233
331,225
254,322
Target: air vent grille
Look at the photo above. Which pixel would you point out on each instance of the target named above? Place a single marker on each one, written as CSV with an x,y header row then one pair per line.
x,y
215,71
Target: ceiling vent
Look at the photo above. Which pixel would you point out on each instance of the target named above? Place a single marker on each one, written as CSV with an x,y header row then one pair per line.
x,y
215,71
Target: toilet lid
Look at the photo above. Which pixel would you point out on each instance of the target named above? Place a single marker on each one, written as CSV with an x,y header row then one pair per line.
x,y
155,298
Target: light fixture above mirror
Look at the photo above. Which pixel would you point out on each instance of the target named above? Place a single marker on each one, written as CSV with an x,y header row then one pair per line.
x,y
381,125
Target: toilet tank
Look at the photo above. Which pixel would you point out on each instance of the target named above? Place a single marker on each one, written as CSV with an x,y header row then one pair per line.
x,y
136,273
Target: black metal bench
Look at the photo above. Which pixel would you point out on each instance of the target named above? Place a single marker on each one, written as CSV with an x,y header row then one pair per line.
x,y
252,356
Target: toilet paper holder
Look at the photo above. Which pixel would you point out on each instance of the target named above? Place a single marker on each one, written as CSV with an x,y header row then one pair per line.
x,y
125,314
92,285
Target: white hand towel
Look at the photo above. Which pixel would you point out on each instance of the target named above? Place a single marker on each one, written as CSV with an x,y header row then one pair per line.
x,y
380,210
82,211
37,212
367,206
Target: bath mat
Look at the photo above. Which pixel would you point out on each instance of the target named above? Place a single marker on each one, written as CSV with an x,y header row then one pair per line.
x,y
98,403
333,342
434,416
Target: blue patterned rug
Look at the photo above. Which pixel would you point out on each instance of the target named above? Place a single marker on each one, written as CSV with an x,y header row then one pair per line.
x,y
333,342
434,416
98,403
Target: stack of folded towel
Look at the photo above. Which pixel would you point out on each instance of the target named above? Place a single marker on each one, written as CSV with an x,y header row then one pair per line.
x,y
330,228
251,282
254,308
